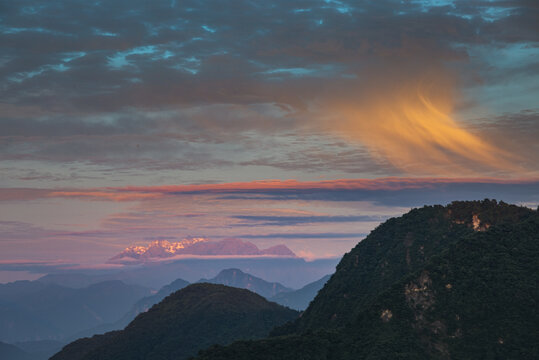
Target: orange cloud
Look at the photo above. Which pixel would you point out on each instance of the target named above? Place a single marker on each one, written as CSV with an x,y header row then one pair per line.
x,y
409,122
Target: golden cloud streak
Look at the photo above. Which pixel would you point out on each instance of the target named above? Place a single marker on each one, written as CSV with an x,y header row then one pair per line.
x,y
412,127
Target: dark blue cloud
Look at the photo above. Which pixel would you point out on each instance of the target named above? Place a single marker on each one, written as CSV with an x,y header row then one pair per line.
x,y
305,236
296,220
429,194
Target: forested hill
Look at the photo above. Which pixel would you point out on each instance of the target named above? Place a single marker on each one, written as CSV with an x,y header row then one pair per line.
x,y
454,282
395,248
184,322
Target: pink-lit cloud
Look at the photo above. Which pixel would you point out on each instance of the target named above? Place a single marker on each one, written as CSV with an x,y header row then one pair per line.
x,y
138,193
313,218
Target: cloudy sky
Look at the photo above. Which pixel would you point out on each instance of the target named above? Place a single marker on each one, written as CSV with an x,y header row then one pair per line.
x,y
297,122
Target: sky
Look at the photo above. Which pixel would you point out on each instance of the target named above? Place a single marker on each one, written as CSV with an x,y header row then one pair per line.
x,y
298,122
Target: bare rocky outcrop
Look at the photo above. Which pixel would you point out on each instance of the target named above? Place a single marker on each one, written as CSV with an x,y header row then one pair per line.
x,y
421,298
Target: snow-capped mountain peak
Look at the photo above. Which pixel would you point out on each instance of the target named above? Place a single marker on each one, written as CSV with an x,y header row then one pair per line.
x,y
162,249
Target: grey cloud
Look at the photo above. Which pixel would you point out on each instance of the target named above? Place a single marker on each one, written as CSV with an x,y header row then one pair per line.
x,y
128,73
328,158
36,175
38,267
145,152
191,138
248,39
517,132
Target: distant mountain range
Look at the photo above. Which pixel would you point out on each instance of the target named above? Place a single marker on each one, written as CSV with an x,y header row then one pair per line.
x,y
31,350
293,272
239,279
273,291
300,299
140,306
183,323
32,310
42,350
294,299
163,249
12,352
69,305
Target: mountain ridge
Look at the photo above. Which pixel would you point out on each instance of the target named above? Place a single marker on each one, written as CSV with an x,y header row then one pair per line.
x,y
240,279
163,249
301,298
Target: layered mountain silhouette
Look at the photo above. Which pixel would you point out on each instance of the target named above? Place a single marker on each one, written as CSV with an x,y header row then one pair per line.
x,y
294,299
454,282
300,299
239,279
183,323
39,349
32,310
140,306
12,352
162,249
292,272
84,305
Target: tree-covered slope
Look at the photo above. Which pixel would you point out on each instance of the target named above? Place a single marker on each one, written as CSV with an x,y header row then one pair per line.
x,y
188,320
146,303
476,298
392,250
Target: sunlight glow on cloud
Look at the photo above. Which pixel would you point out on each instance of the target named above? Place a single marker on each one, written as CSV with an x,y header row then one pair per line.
x,y
411,126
